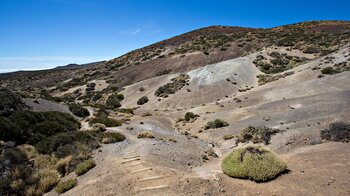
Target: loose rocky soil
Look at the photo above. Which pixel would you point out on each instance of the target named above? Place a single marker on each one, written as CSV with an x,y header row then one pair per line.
x,y
184,159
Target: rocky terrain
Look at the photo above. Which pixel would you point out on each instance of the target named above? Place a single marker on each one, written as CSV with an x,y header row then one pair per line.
x,y
183,103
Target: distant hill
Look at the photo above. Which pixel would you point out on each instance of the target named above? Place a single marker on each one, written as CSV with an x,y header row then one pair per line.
x,y
191,50
78,66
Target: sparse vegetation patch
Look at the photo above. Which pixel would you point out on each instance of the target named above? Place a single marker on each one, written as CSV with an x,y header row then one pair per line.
x,y
84,167
79,110
338,132
109,122
113,101
278,63
266,78
172,87
257,134
66,185
145,134
112,137
217,123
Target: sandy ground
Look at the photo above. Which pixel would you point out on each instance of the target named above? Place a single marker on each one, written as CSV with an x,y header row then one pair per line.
x,y
175,161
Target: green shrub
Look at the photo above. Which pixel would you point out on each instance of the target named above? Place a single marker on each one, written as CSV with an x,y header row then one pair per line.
x,y
51,144
145,134
30,127
64,144
9,131
329,70
311,50
66,185
254,163
111,137
9,102
126,110
257,134
217,123
190,115
49,128
99,128
113,101
97,96
66,120
142,100
109,122
229,136
84,166
338,132
164,72
79,110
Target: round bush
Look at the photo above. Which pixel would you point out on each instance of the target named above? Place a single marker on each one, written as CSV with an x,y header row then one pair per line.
x,y
142,100
254,163
217,123
98,127
79,111
111,137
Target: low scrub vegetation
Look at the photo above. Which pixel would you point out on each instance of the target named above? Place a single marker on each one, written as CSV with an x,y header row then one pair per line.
x,y
108,122
145,134
37,148
114,100
254,163
229,136
329,70
142,100
9,102
98,128
338,132
111,137
266,78
257,134
79,111
278,63
172,87
66,185
190,115
84,167
31,127
217,123
126,110
164,72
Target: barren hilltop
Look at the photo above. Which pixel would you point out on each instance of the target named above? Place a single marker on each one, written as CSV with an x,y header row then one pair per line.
x,y
215,111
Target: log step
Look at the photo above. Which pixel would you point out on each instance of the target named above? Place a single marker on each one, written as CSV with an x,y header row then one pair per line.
x,y
154,187
151,178
130,160
140,170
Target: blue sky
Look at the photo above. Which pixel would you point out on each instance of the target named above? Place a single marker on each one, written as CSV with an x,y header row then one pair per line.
x,y
38,34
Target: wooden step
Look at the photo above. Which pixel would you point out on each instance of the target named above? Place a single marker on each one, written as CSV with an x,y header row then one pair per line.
x,y
130,157
154,187
130,160
140,170
151,178
133,164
